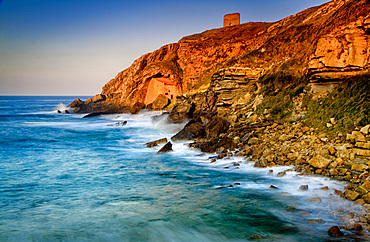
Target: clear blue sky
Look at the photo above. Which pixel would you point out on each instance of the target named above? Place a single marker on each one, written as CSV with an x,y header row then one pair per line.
x,y
73,47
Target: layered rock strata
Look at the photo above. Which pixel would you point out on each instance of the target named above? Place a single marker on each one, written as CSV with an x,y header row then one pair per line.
x,y
325,43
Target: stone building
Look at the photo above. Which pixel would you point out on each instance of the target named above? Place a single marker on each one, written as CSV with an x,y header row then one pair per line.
x,y
158,86
231,19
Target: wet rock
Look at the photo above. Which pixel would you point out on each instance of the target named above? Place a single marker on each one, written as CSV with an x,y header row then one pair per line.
x,y
366,198
350,216
281,174
119,124
212,145
351,195
314,200
156,142
319,162
96,114
338,212
193,129
334,231
361,190
256,236
326,188
261,163
273,187
216,126
285,193
338,193
315,221
166,148
354,227
303,188
360,201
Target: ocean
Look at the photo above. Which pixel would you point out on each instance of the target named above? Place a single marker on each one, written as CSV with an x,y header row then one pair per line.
x,y
68,178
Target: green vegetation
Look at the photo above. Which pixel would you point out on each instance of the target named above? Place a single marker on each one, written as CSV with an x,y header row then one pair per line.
x,y
349,104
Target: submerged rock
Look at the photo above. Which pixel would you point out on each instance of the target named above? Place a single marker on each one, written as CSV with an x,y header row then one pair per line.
x,y
256,236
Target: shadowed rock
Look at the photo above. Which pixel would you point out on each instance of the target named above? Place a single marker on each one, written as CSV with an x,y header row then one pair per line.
x,y
193,129
156,142
166,148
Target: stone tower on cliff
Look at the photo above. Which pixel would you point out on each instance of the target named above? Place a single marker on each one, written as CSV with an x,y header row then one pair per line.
x,y
231,19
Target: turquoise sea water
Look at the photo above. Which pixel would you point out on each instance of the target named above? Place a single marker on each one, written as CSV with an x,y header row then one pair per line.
x,y
68,178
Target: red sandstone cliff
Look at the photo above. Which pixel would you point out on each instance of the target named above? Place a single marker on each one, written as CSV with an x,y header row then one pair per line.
x,y
328,42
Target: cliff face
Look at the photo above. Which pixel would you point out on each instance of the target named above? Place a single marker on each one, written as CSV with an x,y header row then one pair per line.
x,y
325,43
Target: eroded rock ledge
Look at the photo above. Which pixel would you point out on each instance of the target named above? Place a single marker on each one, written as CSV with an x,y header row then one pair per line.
x,y
324,44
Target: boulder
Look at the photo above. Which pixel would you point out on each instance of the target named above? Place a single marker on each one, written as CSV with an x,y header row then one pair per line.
x,y
334,231
361,190
365,129
366,198
358,136
303,188
354,227
156,142
212,145
216,126
359,167
319,162
181,111
166,148
159,103
193,129
351,195
366,185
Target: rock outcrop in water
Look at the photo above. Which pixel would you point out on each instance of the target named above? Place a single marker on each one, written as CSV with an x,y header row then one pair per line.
x,y
323,44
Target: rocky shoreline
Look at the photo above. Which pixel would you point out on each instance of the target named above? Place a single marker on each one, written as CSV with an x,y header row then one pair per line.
x,y
344,157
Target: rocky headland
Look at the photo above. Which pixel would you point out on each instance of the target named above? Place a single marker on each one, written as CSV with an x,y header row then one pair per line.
x,y
295,92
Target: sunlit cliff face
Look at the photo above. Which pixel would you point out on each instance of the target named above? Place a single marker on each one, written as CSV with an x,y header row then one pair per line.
x,y
158,86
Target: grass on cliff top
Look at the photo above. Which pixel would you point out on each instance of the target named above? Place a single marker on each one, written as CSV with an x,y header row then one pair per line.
x,y
349,104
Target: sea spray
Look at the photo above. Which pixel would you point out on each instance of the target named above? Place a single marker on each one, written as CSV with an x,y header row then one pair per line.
x,y
67,178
